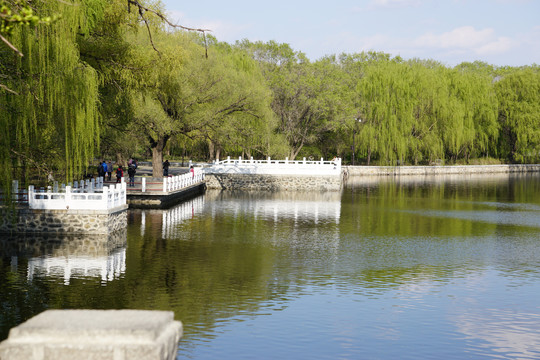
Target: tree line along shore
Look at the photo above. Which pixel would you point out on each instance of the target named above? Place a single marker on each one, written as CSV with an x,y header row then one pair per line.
x,y
104,80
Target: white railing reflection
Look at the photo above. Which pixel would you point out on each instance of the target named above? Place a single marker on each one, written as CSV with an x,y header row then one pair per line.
x,y
68,256
305,206
172,217
107,268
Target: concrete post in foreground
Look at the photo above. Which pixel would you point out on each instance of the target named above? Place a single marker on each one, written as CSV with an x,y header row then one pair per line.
x,y
94,334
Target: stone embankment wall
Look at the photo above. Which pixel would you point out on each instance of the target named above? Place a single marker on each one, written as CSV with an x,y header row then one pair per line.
x,y
25,220
436,170
273,182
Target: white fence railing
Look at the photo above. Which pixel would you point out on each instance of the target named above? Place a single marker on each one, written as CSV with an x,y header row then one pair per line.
x,y
276,167
78,198
178,182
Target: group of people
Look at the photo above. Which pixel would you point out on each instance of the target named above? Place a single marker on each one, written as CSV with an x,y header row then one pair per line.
x,y
105,171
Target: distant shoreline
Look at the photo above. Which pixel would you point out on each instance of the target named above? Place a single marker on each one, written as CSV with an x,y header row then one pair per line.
x,y
362,170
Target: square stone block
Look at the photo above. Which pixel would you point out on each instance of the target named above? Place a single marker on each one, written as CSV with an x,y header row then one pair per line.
x,y
94,334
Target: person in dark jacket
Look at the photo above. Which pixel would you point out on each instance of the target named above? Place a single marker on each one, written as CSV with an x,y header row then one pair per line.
x,y
166,168
131,174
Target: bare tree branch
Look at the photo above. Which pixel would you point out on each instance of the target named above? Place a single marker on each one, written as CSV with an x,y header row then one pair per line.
x,y
6,41
142,9
2,86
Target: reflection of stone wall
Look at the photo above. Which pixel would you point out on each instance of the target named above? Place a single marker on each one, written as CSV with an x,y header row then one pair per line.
x,y
25,220
273,182
63,244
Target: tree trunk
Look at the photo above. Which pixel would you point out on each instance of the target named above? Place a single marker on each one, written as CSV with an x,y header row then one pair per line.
x,y
120,159
211,150
368,156
157,147
218,153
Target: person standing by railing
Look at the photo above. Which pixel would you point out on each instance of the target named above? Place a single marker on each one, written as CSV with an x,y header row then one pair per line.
x,y
131,174
105,169
192,171
166,165
109,170
119,174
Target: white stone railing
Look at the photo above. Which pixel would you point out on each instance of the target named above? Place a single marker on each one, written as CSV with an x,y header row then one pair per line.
x,y
178,182
79,198
276,167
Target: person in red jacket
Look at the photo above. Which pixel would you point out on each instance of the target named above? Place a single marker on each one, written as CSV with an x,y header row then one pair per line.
x,y
119,174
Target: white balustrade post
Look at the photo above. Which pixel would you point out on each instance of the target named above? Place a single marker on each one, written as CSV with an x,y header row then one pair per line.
x,y
190,164
117,190
143,184
251,160
105,197
164,184
286,160
124,194
68,196
304,161
269,159
15,190
322,160
228,159
30,195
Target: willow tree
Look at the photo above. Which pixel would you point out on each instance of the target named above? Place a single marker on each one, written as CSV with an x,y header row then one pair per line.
x,y
108,49
241,117
308,98
188,90
386,101
518,95
50,119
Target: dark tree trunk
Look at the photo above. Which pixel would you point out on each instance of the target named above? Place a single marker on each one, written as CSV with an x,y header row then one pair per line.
x,y
157,147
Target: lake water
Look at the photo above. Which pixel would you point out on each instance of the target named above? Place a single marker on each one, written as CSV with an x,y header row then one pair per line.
x,y
408,268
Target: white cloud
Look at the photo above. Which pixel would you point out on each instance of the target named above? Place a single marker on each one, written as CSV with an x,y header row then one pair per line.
x,y
467,38
396,3
462,37
499,46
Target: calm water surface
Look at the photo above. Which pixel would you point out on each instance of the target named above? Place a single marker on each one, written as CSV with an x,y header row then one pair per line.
x,y
408,268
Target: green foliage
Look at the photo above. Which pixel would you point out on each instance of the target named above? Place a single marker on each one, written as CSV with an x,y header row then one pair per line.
x,y
50,119
16,13
519,116
100,80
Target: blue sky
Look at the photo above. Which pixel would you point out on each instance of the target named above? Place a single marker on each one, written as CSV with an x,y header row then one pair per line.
x,y
499,32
